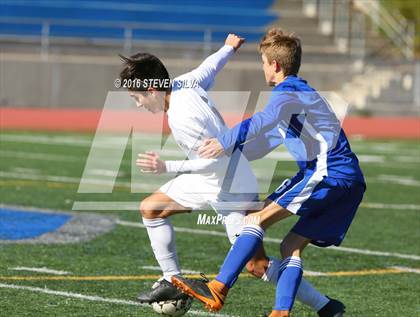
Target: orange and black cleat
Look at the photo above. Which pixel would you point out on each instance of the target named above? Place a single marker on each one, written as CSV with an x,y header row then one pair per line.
x,y
211,294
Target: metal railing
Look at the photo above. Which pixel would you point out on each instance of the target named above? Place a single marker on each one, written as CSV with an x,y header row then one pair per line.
x,y
397,28
127,40
345,21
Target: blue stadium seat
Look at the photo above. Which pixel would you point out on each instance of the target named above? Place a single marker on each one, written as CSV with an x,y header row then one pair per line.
x,y
165,20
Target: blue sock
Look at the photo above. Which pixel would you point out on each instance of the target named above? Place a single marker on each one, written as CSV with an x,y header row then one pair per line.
x,y
241,252
289,280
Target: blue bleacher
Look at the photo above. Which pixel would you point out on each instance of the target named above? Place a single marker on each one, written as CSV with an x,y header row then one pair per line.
x,y
163,20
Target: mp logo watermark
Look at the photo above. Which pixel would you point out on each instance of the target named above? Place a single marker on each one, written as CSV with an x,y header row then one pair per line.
x,y
126,130
204,219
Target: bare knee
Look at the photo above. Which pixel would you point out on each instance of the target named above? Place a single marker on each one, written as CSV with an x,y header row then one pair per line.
x,y
148,209
286,249
293,245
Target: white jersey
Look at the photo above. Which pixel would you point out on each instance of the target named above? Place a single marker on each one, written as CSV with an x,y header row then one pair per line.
x,y
193,117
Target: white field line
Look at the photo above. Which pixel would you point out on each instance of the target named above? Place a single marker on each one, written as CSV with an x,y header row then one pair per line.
x,y
134,205
102,142
384,148
282,155
66,179
39,156
381,179
106,205
390,206
170,149
39,270
157,268
377,253
49,140
70,180
52,178
313,273
406,269
409,181
186,271
370,149
278,241
25,170
96,298
174,152
407,159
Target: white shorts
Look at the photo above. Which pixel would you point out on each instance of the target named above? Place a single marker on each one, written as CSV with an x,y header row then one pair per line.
x,y
198,192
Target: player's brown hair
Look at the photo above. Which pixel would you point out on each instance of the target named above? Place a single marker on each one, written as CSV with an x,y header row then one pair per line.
x,y
143,66
284,48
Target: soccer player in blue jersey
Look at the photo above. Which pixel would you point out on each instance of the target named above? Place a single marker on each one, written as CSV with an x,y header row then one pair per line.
x,y
325,192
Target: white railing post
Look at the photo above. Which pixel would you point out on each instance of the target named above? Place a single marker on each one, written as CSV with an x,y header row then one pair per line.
x,y
207,38
128,40
310,8
394,25
357,35
326,17
411,39
416,90
45,39
341,25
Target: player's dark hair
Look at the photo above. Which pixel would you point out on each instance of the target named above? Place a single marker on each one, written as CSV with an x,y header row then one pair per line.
x,y
143,66
284,48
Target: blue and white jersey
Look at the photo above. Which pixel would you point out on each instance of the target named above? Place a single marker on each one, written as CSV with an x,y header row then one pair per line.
x,y
308,127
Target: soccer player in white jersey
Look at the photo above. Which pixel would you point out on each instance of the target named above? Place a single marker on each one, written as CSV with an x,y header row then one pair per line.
x,y
192,117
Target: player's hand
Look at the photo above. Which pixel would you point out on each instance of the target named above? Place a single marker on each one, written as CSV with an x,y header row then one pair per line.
x,y
211,148
234,40
151,163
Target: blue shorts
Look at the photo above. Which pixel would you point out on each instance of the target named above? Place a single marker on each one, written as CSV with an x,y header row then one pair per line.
x,y
326,205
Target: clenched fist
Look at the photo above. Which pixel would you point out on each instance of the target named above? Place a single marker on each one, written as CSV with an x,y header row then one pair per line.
x,y
234,40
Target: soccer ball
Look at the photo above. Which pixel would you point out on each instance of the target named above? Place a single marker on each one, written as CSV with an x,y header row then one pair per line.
x,y
173,307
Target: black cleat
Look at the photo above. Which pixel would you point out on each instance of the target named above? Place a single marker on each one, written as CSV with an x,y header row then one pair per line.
x,y
161,291
333,308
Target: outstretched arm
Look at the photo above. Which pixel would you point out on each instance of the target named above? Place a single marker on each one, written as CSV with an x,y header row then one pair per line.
x,y
150,162
258,124
210,67
262,145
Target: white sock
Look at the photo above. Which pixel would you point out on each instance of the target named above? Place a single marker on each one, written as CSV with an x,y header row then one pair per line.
x,y
234,222
162,239
310,296
306,293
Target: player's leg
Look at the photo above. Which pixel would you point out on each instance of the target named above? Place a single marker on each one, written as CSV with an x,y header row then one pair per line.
x,y
212,294
289,283
233,222
155,211
325,217
290,274
268,269
176,196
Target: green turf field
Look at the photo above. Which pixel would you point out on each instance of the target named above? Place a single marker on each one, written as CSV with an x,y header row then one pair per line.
x,y
41,170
